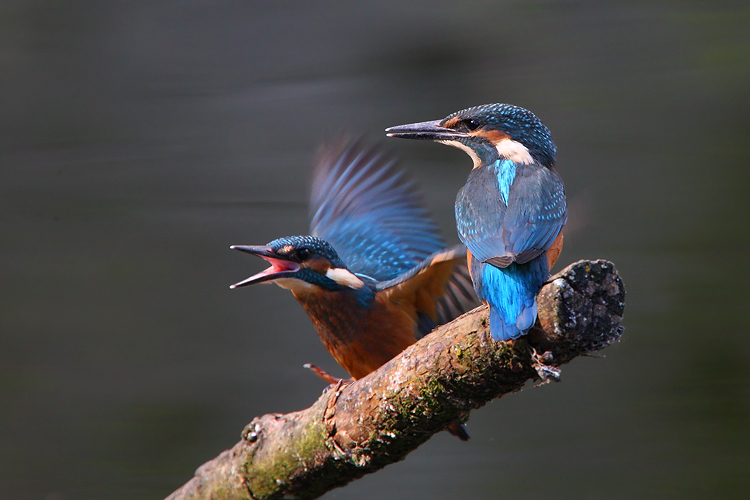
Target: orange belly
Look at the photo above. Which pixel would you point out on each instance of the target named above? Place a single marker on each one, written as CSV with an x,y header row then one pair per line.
x,y
361,340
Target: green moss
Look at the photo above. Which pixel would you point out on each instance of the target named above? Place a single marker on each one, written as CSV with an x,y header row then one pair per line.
x,y
432,395
429,402
467,354
280,466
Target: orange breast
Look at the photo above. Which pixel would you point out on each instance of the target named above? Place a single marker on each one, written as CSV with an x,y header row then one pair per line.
x,y
360,339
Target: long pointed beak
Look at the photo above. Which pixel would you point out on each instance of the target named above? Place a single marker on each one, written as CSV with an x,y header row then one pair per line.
x,y
425,130
280,268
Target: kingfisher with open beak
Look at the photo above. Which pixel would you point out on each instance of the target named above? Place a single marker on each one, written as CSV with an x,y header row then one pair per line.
x,y
374,276
510,213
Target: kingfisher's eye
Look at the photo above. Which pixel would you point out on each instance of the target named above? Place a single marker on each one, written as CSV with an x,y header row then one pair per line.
x,y
303,253
471,124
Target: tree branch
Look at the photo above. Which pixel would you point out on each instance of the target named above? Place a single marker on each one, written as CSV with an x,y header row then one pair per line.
x,y
356,429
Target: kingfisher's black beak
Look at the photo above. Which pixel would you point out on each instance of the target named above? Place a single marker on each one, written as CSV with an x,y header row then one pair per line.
x,y
425,130
281,267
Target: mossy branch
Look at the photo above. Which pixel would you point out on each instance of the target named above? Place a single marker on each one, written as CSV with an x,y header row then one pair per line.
x,y
355,429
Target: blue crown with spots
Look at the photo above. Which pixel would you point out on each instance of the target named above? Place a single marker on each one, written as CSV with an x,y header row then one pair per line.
x,y
309,243
520,124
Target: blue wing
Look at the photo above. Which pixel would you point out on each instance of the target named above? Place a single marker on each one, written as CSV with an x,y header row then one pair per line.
x,y
373,216
370,212
504,218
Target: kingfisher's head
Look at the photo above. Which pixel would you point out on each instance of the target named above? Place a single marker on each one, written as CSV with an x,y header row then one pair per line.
x,y
488,132
303,264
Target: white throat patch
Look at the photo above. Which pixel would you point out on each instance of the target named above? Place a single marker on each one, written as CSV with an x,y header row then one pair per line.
x,y
297,286
514,151
463,147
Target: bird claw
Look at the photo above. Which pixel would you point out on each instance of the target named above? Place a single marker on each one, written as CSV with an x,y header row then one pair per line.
x,y
545,371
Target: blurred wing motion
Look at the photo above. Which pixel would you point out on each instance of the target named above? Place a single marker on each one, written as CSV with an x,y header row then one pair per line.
x,y
370,212
373,215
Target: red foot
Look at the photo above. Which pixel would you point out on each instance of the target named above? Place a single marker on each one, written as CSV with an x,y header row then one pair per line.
x,y
327,376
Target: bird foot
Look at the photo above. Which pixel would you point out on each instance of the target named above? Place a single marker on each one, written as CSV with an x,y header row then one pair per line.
x,y
545,371
327,376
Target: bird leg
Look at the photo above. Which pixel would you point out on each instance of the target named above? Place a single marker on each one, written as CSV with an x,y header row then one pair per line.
x,y
327,376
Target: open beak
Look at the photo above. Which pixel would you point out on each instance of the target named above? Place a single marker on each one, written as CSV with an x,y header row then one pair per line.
x,y
425,130
280,268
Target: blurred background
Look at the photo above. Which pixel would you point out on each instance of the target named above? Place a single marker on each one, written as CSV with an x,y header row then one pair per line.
x,y
138,140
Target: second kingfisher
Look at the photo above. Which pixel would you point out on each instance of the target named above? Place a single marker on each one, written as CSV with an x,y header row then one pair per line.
x,y
511,212
375,275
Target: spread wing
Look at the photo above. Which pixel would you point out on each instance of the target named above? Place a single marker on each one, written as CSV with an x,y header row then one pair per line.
x,y
373,216
439,289
369,211
519,230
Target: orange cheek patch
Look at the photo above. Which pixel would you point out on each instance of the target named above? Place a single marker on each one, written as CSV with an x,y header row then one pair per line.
x,y
493,136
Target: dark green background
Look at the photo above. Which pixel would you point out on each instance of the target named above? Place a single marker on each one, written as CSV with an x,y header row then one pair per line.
x,y
138,140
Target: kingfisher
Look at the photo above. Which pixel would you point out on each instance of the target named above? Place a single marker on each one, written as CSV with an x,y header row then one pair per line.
x,y
512,209
374,275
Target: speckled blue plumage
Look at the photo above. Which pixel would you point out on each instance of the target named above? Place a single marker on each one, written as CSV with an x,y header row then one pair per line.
x,y
519,220
520,124
312,243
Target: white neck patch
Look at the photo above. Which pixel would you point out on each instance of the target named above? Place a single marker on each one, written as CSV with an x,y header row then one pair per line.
x,y
344,277
514,151
295,285
463,147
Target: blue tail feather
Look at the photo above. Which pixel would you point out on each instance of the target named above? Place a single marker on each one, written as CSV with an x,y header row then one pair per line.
x,y
511,295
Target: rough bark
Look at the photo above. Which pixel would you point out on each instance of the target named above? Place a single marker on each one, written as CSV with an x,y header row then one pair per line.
x,y
355,429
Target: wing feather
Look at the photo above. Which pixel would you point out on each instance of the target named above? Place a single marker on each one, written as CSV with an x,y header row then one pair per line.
x,y
518,231
439,287
369,211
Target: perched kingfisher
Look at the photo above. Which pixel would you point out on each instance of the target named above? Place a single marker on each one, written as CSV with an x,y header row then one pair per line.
x,y
510,213
375,275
